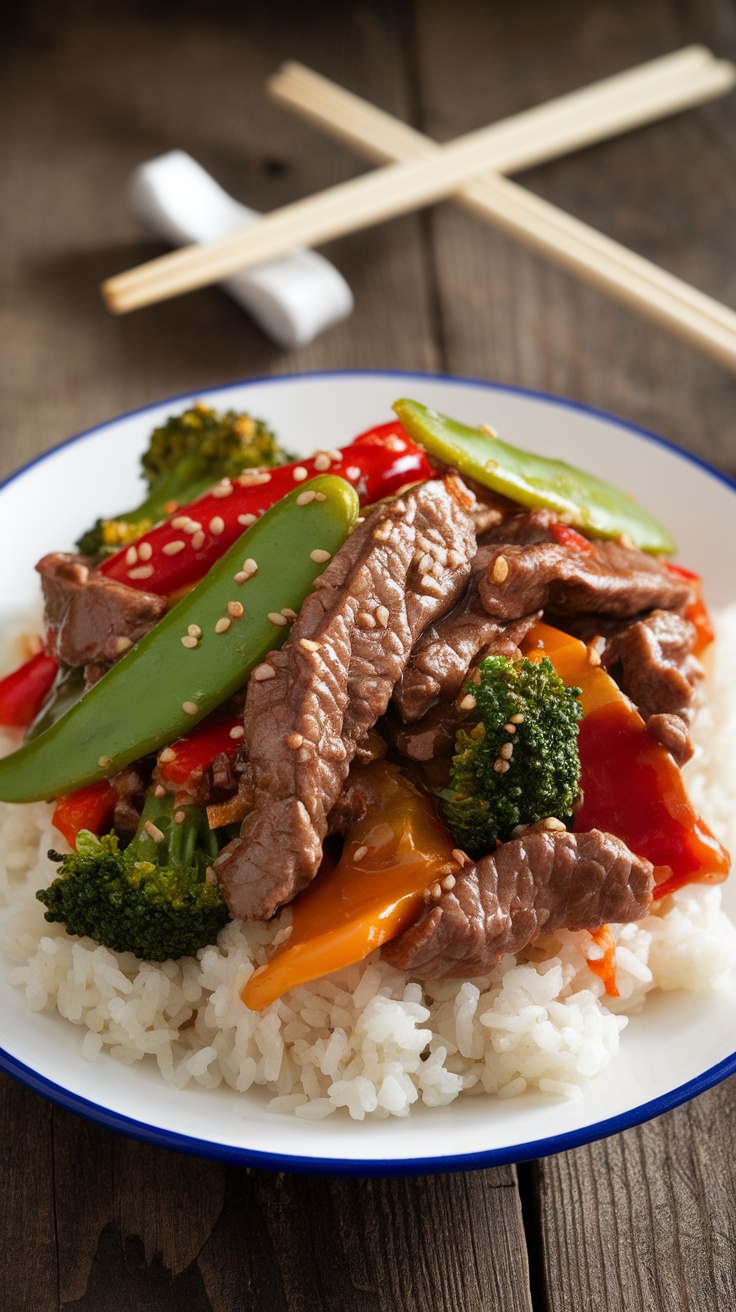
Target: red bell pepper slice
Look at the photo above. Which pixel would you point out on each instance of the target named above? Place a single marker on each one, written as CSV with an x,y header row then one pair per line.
x,y
630,784
23,693
697,612
181,766
88,808
605,967
569,537
180,551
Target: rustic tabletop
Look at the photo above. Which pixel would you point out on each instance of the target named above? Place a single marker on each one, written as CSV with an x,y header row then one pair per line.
x,y
93,1221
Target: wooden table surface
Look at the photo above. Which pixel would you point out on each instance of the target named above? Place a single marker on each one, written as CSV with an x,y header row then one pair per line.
x,y
93,1221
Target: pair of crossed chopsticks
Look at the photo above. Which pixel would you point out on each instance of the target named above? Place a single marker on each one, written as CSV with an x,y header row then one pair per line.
x,y
420,172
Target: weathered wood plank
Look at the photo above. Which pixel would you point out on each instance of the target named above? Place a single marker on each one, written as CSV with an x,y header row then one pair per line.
x,y
28,1265
85,97
663,191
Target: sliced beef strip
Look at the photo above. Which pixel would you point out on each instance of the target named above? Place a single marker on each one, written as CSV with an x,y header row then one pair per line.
x,y
93,619
130,791
310,704
651,658
533,885
522,528
610,579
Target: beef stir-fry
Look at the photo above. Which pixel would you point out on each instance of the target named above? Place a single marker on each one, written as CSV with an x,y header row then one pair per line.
x,y
446,726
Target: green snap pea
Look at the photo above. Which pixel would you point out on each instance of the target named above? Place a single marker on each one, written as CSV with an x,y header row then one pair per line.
x,y
161,688
586,502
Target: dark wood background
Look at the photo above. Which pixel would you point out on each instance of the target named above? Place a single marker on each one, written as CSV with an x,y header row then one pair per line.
x,y
91,1221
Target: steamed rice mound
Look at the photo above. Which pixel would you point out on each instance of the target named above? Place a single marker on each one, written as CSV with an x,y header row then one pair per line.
x,y
369,1039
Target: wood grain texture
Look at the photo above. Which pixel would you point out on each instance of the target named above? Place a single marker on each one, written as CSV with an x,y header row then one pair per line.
x,y
98,1223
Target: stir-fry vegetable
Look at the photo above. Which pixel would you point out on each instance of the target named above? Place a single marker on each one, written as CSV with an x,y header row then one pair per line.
x,y
153,899
185,456
397,851
199,654
630,784
584,500
181,766
179,552
88,808
516,758
23,693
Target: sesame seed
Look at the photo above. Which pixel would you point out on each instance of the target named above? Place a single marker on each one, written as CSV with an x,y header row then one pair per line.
x,y
240,577
500,570
192,526
510,728
168,754
159,791
294,740
366,620
194,631
468,702
426,562
334,454
552,823
254,478
304,498
320,496
593,656
476,677
181,521
247,520
198,540
500,766
180,816
309,645
235,609
131,555
190,708
237,731
507,751
435,891
123,644
223,489
461,857
104,761
223,624
319,555
383,615
189,641
517,719
142,572
383,532
430,584
353,472
303,754
322,461
263,672
145,551
249,567
153,831
277,618
211,878
173,548
486,428
448,883
217,525
394,444
299,473
360,852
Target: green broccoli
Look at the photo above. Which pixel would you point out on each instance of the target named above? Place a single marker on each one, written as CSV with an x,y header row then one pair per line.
x,y
519,761
185,457
154,898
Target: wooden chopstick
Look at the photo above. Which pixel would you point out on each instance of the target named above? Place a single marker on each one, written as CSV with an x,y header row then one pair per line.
x,y
631,99
604,263
389,191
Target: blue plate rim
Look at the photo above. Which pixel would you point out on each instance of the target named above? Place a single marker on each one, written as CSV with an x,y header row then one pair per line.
x,y
366,1167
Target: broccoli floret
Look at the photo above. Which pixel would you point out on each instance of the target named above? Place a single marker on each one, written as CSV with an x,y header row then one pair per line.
x,y
185,457
153,898
518,762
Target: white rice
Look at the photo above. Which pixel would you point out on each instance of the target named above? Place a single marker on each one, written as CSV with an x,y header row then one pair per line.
x,y
368,1039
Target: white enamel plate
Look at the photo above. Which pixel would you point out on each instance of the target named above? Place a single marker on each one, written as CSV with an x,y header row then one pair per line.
x,y
680,1045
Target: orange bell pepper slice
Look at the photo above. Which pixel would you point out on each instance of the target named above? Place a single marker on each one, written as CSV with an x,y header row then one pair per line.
x,y
630,784
376,890
605,967
697,611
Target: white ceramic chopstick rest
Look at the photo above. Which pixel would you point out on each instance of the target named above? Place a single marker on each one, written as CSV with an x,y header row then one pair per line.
x,y
292,299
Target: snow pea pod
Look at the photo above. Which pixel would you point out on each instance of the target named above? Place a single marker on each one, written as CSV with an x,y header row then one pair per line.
x,y
587,502
163,686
